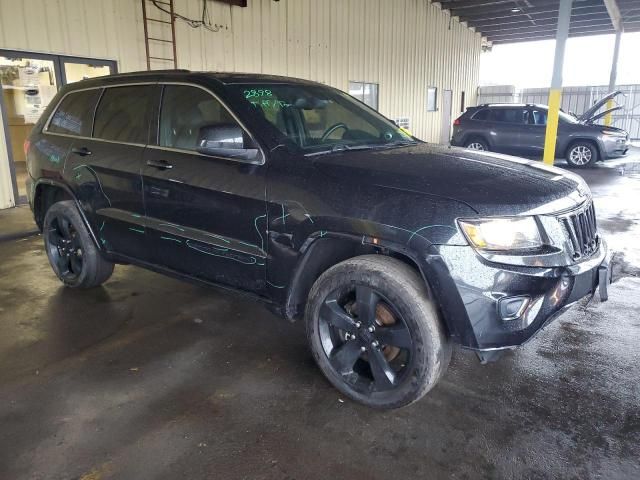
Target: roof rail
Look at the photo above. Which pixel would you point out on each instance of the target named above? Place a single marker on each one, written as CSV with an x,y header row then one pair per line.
x,y
151,72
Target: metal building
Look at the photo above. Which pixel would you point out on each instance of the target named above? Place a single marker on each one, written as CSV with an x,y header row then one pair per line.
x,y
410,59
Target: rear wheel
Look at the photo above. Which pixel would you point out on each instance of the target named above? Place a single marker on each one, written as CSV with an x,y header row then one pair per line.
x,y
72,254
375,332
477,143
582,154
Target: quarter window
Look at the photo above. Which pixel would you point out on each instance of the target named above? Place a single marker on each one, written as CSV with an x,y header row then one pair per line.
x,y
185,110
367,93
481,115
74,116
123,114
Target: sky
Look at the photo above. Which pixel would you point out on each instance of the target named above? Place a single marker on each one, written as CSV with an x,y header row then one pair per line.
x,y
587,61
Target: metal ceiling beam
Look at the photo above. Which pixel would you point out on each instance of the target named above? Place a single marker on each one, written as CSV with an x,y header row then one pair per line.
x,y
505,21
471,8
546,25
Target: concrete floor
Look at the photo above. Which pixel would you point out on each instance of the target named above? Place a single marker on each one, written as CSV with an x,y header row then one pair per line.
x,y
150,377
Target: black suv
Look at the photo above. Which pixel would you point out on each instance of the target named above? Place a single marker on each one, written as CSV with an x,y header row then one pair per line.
x,y
302,197
520,129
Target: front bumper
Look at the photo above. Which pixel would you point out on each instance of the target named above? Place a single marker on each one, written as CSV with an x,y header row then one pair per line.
x,y
545,292
613,146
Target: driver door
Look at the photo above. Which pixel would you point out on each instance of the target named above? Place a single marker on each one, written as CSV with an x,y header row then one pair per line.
x,y
203,211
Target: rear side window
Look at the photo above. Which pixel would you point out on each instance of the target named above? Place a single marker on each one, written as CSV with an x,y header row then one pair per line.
x,y
509,115
481,115
123,114
185,110
74,115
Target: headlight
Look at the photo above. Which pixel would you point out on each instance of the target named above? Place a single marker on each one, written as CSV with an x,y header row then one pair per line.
x,y
614,133
502,234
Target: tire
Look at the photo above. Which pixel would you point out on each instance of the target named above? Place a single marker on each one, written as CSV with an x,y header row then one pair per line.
x,y
71,252
476,143
413,351
582,154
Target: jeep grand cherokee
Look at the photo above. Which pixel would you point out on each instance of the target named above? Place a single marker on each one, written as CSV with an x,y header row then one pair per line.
x,y
296,194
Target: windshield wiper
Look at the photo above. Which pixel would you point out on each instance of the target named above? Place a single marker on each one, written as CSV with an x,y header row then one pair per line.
x,y
341,147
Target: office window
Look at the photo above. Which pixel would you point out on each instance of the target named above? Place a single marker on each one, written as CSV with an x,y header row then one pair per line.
x,y
365,92
432,99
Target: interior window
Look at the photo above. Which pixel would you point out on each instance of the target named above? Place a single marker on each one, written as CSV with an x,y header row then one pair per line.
x,y
74,116
367,93
185,110
123,114
508,115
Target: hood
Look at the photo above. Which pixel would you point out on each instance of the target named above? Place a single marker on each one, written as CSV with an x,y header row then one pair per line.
x,y
489,183
600,115
587,116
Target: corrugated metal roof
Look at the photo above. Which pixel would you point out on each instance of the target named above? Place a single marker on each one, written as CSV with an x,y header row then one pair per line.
x,y
510,21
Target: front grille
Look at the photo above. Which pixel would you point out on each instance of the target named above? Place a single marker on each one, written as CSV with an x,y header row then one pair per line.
x,y
582,231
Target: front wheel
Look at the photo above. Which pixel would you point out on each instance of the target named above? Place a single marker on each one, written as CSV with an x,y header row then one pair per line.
x,y
72,254
582,155
375,332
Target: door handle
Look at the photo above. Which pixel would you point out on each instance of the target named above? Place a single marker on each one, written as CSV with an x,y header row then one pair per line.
x,y
160,164
82,151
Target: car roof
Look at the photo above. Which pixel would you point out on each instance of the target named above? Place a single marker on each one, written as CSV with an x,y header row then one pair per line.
x,y
188,75
512,105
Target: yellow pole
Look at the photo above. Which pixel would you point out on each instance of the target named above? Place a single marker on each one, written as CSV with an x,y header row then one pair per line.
x,y
607,117
555,92
552,126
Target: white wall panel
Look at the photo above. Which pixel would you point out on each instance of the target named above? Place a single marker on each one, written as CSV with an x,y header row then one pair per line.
x,y
404,45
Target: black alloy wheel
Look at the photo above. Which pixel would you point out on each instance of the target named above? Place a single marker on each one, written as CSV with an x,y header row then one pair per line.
x,y
365,340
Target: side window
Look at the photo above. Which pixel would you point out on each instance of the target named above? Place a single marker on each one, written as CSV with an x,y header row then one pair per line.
x,y
74,115
539,117
482,114
508,115
123,114
185,111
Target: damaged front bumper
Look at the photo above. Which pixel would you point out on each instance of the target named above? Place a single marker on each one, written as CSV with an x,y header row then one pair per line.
x,y
507,305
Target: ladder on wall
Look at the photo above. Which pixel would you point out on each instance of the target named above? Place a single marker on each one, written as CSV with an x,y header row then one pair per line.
x,y
165,8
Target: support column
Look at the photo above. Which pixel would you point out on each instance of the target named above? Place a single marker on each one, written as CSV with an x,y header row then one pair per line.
x,y
555,92
614,74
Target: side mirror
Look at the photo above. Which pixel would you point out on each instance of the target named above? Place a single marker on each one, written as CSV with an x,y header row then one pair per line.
x,y
226,141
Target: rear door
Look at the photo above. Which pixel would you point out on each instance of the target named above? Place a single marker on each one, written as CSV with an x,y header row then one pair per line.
x,y
533,133
506,125
206,214
106,168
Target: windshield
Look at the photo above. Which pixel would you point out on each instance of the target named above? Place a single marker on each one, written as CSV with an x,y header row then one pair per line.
x,y
567,117
321,119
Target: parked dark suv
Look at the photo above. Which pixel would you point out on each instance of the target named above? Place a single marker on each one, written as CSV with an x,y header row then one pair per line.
x,y
302,197
520,129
